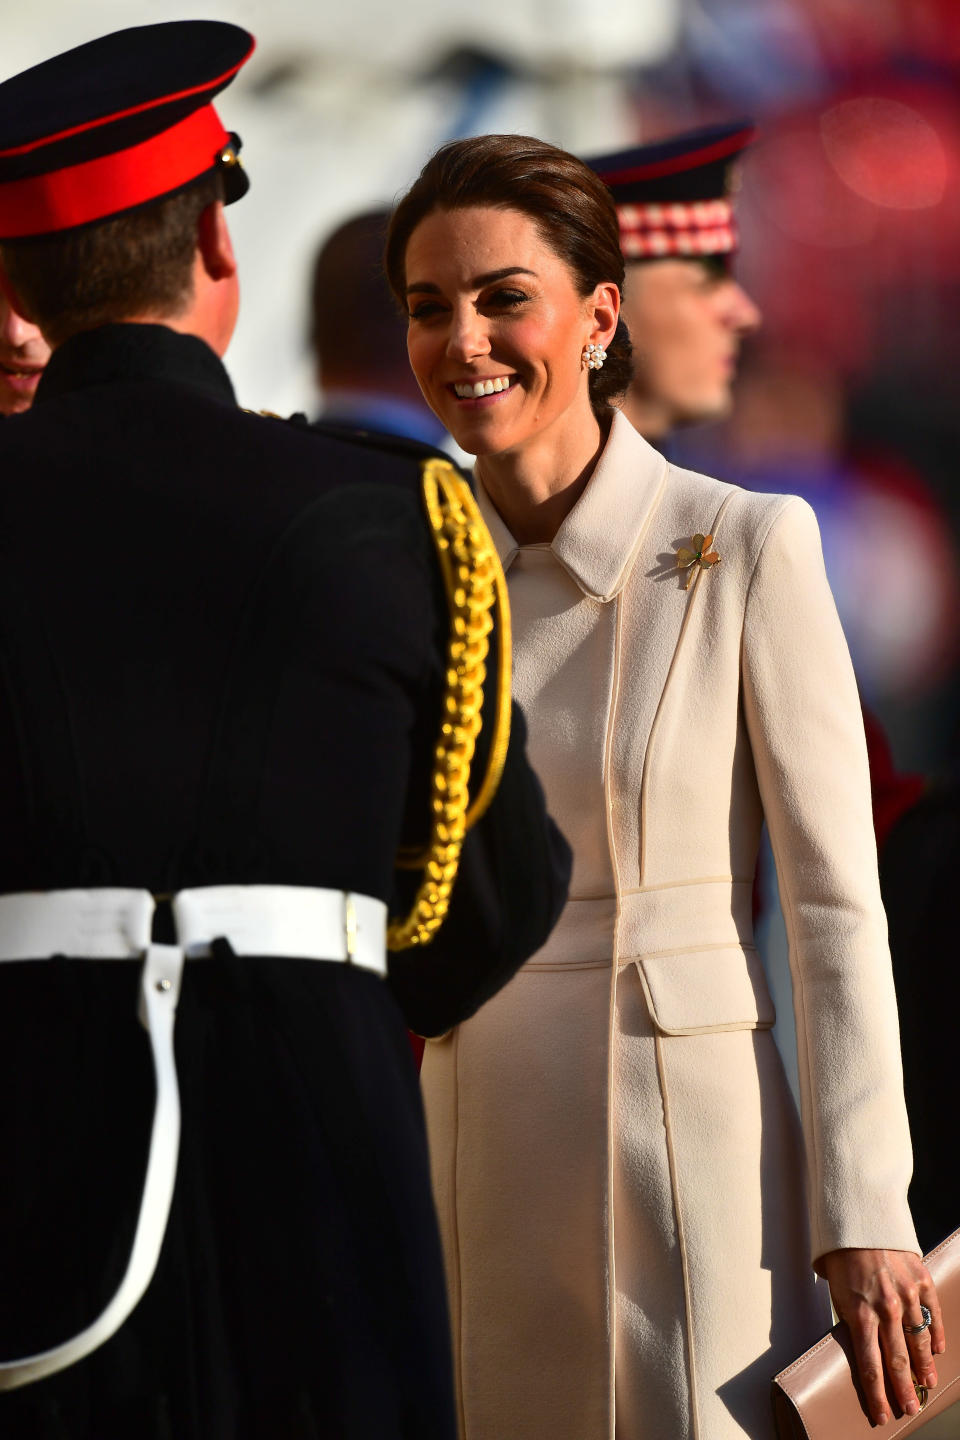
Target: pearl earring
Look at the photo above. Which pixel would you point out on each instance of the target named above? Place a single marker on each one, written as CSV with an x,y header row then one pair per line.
x,y
593,357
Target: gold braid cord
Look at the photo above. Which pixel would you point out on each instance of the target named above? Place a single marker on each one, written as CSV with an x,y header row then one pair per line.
x,y
476,588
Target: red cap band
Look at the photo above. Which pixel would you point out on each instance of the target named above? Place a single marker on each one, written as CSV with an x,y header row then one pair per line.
x,y
97,189
699,227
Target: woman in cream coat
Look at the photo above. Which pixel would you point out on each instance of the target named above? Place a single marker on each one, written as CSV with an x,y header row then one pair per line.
x,y
631,1217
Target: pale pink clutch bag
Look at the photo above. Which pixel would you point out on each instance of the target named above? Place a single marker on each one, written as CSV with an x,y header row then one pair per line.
x,y
818,1396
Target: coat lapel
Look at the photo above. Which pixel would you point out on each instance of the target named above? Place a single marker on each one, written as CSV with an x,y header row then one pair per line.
x,y
599,539
505,544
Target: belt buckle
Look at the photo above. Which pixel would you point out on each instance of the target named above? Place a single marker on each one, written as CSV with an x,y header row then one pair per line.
x,y
163,924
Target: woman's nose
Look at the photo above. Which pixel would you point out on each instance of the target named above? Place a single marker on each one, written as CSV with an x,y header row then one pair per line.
x,y
468,336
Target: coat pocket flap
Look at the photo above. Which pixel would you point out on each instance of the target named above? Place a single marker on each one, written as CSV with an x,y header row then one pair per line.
x,y
690,992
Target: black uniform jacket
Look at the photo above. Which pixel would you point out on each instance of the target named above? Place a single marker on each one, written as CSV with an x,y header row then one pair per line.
x,y
221,661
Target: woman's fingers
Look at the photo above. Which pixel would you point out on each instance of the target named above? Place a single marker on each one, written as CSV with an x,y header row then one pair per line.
x,y
898,1349
930,1298
887,1297
923,1327
921,1359
883,1358
864,1333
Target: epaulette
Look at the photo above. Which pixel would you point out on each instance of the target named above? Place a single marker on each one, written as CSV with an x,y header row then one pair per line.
x,y
383,441
476,590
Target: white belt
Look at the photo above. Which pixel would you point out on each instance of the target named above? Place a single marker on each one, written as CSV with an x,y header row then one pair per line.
x,y
290,921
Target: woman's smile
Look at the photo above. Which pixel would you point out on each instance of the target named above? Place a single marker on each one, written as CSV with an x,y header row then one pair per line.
x,y
482,388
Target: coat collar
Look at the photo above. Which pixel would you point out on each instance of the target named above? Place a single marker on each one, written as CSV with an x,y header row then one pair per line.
x,y
134,352
597,542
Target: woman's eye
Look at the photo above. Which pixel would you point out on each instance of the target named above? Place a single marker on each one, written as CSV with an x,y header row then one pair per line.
x,y
424,310
507,299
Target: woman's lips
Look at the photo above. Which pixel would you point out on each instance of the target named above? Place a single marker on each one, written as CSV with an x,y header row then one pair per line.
x,y
483,391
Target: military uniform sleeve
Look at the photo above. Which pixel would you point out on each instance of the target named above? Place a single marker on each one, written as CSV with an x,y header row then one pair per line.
x,y
806,731
512,884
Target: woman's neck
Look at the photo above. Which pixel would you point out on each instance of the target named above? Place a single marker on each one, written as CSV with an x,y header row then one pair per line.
x,y
535,487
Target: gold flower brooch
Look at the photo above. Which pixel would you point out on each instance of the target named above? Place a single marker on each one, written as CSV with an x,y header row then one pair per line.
x,y
700,554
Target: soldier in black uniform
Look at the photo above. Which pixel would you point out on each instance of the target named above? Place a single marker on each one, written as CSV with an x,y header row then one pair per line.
x,y
223,664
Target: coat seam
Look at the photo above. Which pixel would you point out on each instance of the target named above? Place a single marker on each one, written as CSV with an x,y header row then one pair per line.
x,y
681,1243
611,1020
747,945
679,884
560,967
775,519
651,739
658,1042
804,1057
800,1003
457,1320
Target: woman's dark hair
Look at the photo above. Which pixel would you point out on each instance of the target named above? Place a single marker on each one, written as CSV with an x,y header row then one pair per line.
x,y
571,207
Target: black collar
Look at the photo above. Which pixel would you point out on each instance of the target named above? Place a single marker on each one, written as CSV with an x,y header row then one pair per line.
x,y
132,353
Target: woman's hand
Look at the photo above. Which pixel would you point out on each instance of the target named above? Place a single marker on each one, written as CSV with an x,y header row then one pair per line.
x,y
878,1292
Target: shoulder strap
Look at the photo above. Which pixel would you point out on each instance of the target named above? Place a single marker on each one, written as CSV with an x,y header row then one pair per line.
x,y
476,592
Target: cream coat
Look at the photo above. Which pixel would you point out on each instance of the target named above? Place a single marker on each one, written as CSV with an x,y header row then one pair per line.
x,y
618,1167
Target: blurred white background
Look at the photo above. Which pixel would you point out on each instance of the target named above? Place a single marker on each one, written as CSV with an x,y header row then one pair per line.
x,y
343,101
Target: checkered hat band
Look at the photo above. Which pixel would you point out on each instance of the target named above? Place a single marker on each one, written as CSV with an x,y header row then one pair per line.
x,y
705,227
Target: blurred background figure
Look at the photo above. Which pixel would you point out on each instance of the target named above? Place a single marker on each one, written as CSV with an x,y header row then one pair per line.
x,y
23,355
359,338
885,524
919,877
850,230
685,311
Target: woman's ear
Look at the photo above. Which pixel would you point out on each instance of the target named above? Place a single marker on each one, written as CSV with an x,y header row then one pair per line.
x,y
605,312
214,243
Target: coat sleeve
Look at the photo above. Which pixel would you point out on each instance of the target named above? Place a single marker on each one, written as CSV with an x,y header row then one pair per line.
x,y
806,731
511,886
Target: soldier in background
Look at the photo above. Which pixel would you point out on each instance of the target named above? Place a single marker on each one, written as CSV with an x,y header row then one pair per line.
x,y
684,309
23,355
359,339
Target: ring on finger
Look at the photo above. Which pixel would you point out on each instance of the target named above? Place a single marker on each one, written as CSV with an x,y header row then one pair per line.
x,y
919,1329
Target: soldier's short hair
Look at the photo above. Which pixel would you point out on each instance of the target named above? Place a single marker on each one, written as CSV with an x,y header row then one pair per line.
x,y
137,263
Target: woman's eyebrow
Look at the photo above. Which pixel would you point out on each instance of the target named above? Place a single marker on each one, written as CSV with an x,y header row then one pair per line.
x,y
425,287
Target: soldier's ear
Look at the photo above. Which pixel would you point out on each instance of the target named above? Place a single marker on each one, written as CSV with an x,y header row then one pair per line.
x,y
214,243
10,295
